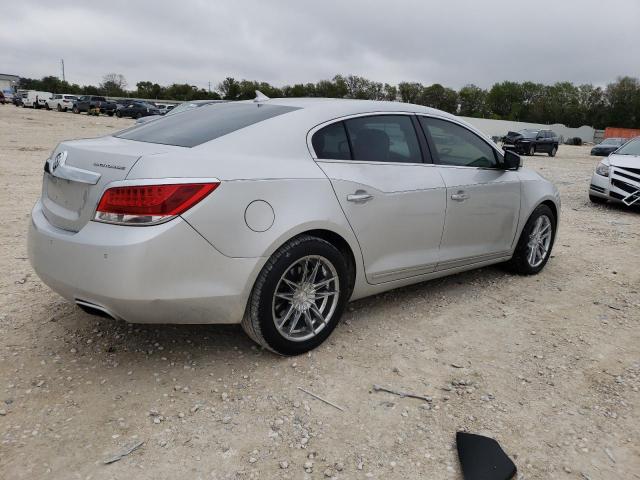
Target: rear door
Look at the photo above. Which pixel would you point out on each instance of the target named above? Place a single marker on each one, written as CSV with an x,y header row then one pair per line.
x,y
483,201
394,201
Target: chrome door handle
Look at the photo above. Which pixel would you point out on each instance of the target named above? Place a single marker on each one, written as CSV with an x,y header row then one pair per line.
x,y
459,197
360,196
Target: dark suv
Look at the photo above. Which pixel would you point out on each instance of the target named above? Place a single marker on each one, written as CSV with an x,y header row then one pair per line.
x,y
530,141
94,104
137,109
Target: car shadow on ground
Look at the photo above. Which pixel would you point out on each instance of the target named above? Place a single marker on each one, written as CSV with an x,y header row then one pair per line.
x,y
200,343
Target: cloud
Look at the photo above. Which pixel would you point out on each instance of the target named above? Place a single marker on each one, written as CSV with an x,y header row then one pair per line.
x,y
196,41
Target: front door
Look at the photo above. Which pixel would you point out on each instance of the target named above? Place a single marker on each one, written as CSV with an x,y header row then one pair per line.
x,y
483,200
394,201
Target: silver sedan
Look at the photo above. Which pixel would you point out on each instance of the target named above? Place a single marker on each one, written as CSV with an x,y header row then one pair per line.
x,y
274,213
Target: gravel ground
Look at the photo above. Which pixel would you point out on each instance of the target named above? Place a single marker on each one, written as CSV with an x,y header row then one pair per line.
x,y
548,365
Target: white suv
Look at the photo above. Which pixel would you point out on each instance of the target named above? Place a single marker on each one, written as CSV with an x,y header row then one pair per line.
x,y
61,102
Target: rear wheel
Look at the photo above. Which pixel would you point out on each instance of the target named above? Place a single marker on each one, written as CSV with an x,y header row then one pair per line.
x,y
553,151
118,114
76,110
532,150
138,115
535,243
59,108
298,297
598,200
110,114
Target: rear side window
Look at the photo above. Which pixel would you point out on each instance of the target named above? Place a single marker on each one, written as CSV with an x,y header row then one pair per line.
x,y
331,142
458,146
384,138
199,125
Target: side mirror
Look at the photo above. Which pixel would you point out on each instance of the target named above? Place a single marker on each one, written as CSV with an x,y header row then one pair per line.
x,y
511,161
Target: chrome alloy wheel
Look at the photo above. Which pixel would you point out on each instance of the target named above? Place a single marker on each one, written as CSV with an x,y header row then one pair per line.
x,y
539,241
305,298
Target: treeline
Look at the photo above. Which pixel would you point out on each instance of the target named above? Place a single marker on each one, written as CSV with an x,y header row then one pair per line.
x,y
618,104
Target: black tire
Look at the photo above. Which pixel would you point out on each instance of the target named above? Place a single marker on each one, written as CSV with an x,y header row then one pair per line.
x,y
138,115
110,114
532,150
553,151
598,200
59,108
258,321
519,263
118,114
47,107
76,110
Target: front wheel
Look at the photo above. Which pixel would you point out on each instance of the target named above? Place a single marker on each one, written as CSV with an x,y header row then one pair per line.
x,y
553,151
535,243
76,110
298,297
118,114
532,150
59,108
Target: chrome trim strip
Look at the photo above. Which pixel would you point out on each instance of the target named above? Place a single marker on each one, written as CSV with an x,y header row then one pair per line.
x,y
397,271
470,260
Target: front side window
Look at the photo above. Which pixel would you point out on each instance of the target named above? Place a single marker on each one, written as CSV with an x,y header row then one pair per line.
x,y
331,142
458,146
384,138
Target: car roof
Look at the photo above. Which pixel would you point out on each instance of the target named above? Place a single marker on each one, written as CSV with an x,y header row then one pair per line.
x,y
344,106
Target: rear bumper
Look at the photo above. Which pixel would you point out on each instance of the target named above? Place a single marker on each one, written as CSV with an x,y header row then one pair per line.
x,y
157,274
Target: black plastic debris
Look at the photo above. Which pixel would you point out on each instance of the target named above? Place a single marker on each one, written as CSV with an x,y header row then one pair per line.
x,y
482,458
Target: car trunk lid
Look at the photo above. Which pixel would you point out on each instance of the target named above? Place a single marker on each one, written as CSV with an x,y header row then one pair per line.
x,y
78,171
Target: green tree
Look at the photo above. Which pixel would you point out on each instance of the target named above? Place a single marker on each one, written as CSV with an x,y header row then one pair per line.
x,y
623,100
409,92
505,100
229,89
437,96
473,101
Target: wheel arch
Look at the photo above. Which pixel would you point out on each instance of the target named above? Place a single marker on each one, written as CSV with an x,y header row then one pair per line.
x,y
342,245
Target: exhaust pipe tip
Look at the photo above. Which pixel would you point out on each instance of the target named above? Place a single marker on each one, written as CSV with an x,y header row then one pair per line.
x,y
93,309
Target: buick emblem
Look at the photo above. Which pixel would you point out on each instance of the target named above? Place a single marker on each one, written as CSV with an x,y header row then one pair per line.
x,y
58,160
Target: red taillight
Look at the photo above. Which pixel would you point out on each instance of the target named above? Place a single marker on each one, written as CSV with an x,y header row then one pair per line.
x,y
145,204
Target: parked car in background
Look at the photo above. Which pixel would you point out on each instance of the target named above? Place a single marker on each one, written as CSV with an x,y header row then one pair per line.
x,y
164,108
607,146
531,141
36,99
18,98
617,177
137,109
122,102
94,103
61,102
183,107
346,203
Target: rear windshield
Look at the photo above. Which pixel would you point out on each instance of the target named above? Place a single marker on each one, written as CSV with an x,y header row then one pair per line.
x,y
200,125
529,133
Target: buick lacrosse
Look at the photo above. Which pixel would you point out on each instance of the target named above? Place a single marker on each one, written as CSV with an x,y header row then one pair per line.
x,y
274,213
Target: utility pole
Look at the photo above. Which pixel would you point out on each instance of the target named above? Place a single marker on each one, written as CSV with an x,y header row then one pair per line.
x,y
62,63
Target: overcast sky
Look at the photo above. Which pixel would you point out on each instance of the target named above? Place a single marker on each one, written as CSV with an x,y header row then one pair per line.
x,y
453,42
